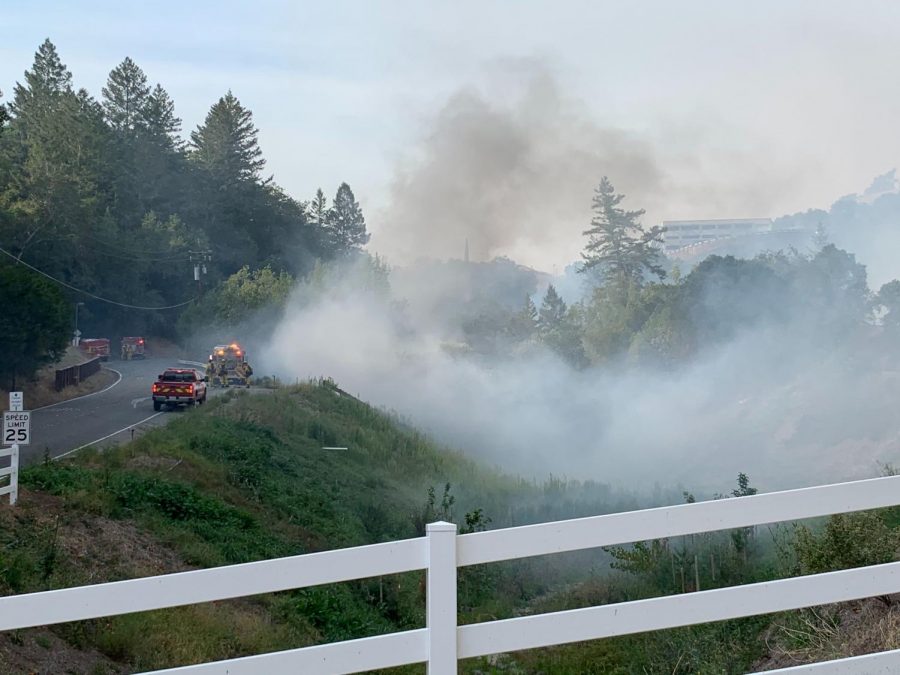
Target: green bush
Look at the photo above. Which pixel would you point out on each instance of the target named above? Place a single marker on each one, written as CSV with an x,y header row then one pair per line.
x,y
848,540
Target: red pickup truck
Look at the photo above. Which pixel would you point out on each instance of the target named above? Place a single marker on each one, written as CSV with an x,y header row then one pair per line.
x,y
179,386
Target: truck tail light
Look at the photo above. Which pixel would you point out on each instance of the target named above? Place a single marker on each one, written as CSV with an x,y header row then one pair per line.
x,y
191,389
155,388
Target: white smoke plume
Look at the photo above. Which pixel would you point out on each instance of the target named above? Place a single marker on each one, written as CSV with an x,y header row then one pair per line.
x,y
512,171
767,403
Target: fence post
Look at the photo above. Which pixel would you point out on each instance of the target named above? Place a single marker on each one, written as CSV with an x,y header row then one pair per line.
x,y
14,474
440,613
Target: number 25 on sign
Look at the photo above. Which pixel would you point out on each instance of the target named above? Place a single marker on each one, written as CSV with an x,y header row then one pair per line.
x,y
16,428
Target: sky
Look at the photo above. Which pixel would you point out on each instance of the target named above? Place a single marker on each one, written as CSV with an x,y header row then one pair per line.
x,y
734,109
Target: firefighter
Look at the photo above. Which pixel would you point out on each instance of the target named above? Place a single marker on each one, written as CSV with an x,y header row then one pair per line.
x,y
244,371
211,372
222,374
124,350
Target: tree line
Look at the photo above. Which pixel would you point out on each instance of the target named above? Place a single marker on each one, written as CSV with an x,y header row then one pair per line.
x,y
107,197
639,309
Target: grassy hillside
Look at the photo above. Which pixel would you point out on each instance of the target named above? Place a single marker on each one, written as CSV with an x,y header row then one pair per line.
x,y
249,477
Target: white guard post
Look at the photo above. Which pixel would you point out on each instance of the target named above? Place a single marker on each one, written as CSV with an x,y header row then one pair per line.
x,y
14,475
440,613
13,472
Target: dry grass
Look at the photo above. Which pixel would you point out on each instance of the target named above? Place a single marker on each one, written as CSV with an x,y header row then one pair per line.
x,y
833,632
93,549
41,391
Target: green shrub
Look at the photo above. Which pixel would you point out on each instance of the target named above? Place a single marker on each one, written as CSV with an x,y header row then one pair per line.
x,y
848,540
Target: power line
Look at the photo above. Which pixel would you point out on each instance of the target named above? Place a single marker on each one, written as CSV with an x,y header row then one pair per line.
x,y
89,294
181,257
125,253
125,249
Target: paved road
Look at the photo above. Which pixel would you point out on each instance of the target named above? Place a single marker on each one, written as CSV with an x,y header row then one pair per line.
x,y
104,417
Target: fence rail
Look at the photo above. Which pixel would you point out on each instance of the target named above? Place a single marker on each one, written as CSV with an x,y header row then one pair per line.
x,y
73,375
12,486
441,552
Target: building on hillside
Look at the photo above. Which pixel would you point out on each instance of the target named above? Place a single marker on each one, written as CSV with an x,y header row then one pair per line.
x,y
680,233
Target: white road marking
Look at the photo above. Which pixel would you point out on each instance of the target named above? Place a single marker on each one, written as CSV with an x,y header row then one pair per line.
x,y
100,440
135,402
69,400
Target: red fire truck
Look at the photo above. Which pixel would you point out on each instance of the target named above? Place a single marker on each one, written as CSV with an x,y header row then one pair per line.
x,y
98,347
133,348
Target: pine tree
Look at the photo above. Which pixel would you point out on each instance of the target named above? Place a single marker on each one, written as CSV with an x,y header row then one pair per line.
x,y
125,97
56,151
45,83
318,209
553,310
346,223
523,323
618,246
159,120
226,143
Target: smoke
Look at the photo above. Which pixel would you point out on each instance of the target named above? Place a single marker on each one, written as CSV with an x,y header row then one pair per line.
x,y
511,167
512,170
506,178
768,403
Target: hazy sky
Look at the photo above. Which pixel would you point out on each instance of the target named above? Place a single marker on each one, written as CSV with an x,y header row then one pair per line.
x,y
748,109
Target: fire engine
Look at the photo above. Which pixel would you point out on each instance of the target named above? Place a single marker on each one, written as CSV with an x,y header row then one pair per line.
x,y
234,358
136,345
97,347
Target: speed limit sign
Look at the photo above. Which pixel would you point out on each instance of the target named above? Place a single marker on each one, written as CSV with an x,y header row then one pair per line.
x,y
16,428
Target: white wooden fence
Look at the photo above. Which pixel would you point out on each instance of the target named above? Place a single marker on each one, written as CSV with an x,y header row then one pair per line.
x,y
12,489
441,642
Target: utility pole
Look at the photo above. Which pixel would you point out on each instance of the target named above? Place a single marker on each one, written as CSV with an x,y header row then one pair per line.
x,y
77,333
200,259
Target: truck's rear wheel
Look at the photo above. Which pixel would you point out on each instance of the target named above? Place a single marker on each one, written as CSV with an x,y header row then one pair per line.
x,y
157,406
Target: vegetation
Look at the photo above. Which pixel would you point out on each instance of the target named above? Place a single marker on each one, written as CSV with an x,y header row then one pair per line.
x,y
34,326
248,478
618,247
106,196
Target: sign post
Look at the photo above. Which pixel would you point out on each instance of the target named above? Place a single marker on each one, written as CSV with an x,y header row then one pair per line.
x,y
16,432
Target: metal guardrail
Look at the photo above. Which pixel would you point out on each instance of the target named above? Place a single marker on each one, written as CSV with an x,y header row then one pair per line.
x,y
441,552
74,375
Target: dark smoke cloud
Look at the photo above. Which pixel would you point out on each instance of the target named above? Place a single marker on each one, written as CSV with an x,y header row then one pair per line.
x,y
512,168
514,178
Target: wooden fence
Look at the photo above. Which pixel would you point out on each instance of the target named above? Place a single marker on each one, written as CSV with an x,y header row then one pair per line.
x,y
73,375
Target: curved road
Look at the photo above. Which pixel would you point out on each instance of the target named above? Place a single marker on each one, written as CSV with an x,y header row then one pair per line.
x,y
107,416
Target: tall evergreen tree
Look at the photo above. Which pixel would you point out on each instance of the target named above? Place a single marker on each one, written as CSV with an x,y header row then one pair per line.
x,y
159,119
346,223
226,143
553,310
125,97
318,209
524,322
56,154
45,84
618,246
